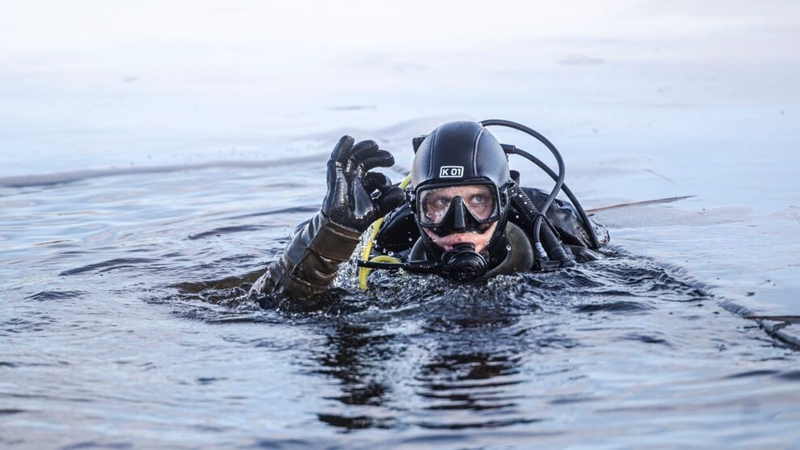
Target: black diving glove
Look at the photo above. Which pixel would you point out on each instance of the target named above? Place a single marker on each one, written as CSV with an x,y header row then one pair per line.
x,y
357,197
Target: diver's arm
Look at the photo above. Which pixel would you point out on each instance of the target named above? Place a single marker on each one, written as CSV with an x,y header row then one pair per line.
x,y
311,260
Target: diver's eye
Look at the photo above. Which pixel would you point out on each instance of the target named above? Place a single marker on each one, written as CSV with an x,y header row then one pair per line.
x,y
442,202
481,205
438,203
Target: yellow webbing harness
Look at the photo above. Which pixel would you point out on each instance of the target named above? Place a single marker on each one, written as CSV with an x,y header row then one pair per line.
x,y
363,272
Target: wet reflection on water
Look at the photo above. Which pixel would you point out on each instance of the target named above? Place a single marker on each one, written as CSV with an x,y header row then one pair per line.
x,y
356,356
152,313
427,353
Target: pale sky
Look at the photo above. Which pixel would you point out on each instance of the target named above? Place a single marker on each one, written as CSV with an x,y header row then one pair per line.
x,y
54,25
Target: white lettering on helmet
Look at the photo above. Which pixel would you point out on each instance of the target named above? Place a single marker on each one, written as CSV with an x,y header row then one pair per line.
x,y
451,171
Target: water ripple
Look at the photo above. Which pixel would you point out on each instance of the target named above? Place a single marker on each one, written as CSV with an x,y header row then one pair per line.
x,y
56,295
110,265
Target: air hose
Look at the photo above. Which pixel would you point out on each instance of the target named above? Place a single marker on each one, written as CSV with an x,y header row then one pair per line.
x,y
558,178
546,243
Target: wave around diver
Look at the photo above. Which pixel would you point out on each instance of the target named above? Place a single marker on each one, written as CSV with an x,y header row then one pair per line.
x,y
620,283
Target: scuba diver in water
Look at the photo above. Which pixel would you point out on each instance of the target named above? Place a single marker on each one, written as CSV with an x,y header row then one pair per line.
x,y
460,214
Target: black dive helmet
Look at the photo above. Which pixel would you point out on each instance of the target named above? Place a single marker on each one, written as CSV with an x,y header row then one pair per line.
x,y
457,154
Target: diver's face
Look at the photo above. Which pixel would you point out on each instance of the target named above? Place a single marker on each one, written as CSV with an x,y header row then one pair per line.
x,y
480,202
480,241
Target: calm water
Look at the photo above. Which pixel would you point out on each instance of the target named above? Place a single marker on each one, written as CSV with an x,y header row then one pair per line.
x,y
154,158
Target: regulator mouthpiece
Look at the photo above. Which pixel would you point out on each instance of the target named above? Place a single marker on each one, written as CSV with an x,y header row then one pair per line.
x,y
463,263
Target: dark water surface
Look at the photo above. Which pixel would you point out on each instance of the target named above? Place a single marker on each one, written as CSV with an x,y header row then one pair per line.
x,y
125,324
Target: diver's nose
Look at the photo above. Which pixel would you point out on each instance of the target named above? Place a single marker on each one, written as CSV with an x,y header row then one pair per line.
x,y
459,224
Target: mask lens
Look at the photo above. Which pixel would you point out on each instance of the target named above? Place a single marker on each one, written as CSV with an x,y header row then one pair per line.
x,y
480,200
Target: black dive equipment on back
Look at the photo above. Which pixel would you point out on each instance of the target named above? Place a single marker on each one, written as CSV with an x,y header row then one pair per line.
x,y
558,178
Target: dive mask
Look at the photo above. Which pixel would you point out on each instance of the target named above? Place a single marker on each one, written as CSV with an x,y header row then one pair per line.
x,y
457,208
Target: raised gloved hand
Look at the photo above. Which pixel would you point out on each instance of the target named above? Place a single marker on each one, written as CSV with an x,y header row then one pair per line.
x,y
357,197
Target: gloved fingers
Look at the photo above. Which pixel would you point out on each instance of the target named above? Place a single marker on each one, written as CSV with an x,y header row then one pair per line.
x,y
368,155
380,158
390,198
386,197
337,189
341,153
363,150
376,181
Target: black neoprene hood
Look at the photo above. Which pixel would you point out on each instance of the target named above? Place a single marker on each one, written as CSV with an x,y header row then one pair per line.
x,y
457,152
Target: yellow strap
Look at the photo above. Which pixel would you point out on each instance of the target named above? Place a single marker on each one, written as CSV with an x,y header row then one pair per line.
x,y
364,272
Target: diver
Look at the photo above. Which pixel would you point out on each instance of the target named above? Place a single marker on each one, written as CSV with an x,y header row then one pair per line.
x,y
461,214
